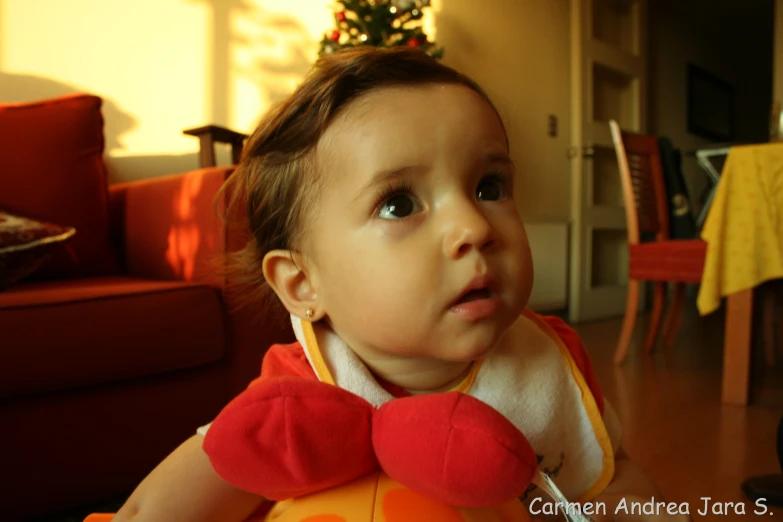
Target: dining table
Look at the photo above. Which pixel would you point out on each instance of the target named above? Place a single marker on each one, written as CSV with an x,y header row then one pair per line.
x,y
744,235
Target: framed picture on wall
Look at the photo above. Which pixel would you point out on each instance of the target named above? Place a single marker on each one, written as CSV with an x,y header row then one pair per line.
x,y
710,105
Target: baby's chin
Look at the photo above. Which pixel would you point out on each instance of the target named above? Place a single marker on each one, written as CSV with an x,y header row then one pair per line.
x,y
452,353
468,352
480,342
466,346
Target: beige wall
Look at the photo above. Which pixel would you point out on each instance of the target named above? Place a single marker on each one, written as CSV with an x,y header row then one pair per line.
x,y
519,51
734,44
166,65
161,66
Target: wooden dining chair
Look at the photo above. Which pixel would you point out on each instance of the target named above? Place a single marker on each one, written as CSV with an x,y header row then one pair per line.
x,y
661,260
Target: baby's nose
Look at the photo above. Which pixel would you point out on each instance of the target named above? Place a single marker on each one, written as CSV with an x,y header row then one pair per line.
x,y
467,230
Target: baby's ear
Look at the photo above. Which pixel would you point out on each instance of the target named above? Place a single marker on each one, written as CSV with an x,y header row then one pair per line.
x,y
286,274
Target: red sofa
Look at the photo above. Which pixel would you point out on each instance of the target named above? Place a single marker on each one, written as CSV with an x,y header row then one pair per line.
x,y
101,376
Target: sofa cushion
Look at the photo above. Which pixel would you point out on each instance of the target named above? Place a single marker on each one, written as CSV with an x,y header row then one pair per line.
x,y
25,244
52,169
65,334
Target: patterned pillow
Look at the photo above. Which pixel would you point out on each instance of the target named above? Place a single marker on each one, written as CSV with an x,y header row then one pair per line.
x,y
25,245
51,160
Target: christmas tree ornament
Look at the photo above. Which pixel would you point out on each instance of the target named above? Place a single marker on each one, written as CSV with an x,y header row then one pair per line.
x,y
404,4
380,23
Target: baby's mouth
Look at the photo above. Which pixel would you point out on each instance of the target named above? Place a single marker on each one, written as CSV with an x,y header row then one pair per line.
x,y
474,295
477,303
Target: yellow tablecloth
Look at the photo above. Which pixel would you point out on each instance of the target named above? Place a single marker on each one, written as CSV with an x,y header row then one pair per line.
x,y
744,227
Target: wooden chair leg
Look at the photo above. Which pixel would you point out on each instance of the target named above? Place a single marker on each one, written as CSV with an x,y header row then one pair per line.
x,y
768,323
779,315
672,323
659,299
631,309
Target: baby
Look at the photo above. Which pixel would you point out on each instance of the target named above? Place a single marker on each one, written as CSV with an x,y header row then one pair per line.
x,y
380,197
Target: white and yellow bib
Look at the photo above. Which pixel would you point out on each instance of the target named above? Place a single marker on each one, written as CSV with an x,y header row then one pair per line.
x,y
531,378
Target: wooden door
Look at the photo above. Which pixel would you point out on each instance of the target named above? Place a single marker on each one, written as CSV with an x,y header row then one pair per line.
x,y
608,81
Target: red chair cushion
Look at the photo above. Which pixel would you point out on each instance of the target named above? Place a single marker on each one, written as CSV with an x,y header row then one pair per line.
x,y
51,160
680,261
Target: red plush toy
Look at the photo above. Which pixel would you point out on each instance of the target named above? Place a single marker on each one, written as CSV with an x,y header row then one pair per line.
x,y
328,452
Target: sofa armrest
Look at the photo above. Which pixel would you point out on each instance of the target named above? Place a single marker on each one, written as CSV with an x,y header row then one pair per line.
x,y
170,227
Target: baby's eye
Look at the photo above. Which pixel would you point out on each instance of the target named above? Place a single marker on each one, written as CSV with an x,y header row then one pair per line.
x,y
492,188
398,206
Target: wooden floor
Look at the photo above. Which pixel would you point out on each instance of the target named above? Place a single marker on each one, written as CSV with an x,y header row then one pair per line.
x,y
675,426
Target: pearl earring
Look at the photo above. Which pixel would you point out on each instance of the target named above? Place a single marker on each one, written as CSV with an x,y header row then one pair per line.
x,y
309,313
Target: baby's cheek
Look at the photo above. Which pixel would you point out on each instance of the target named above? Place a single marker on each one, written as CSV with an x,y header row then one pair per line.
x,y
523,260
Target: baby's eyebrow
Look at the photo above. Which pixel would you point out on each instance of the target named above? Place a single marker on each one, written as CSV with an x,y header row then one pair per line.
x,y
384,176
499,157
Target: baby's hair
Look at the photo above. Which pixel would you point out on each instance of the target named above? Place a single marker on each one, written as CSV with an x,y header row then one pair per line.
x,y
276,183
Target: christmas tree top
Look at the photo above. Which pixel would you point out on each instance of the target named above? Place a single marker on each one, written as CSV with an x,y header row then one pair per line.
x,y
382,23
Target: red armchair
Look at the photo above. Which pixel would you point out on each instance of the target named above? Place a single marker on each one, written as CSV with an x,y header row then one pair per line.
x,y
102,376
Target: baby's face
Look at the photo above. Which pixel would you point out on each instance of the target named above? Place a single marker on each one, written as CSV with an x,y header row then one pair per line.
x,y
416,211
